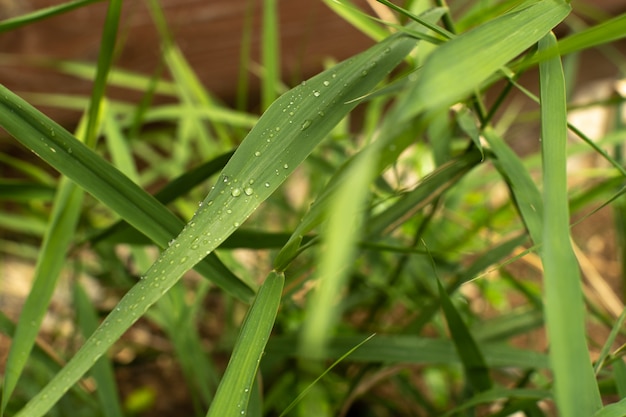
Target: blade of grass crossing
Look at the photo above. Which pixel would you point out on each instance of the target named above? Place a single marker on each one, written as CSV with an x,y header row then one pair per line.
x,y
233,393
266,157
340,234
65,215
459,66
470,354
83,166
102,370
105,60
575,388
15,22
51,260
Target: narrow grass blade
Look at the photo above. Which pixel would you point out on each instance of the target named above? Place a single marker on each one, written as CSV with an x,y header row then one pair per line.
x,y
460,65
604,353
280,141
51,260
308,388
619,374
413,349
432,186
357,18
83,166
235,388
496,394
344,220
105,60
65,217
476,369
525,193
575,387
102,370
270,53
609,31
15,22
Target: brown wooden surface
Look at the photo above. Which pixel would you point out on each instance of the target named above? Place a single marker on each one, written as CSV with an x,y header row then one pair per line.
x,y
208,32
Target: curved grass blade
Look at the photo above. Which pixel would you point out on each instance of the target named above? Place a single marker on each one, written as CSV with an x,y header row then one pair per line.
x,y
233,393
460,65
15,22
575,388
283,137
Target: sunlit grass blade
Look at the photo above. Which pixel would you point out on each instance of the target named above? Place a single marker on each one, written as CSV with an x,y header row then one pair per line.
x,y
575,387
15,22
283,137
235,388
476,369
102,370
460,65
343,227
357,18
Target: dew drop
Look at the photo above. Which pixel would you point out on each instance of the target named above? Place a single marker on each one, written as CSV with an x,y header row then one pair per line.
x,y
257,153
326,83
305,125
236,192
236,224
53,150
363,73
316,93
267,185
226,179
277,129
286,166
194,247
183,260
248,191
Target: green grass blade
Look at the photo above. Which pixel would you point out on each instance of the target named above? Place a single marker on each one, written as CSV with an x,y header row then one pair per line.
x,y
105,60
308,388
65,217
83,166
617,409
575,387
235,388
344,213
284,136
471,356
270,53
496,394
102,371
413,349
51,260
525,193
16,22
459,66
357,18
